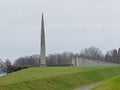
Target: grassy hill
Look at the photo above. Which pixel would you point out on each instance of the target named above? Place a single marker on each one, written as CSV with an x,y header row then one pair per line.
x,y
112,84
56,78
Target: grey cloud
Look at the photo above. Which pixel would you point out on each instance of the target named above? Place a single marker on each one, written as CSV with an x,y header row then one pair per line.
x,y
70,25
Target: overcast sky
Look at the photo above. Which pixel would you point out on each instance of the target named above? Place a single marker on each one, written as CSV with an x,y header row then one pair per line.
x,y
71,25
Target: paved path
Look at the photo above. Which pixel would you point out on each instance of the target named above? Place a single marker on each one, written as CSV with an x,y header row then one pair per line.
x,y
89,87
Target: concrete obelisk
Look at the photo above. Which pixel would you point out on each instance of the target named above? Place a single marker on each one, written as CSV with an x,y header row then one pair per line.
x,y
43,48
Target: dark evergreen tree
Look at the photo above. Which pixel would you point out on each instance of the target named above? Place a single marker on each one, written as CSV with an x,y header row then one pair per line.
x,y
115,56
119,55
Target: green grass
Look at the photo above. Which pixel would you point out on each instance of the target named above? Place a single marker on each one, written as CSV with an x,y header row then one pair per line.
x,y
112,84
56,78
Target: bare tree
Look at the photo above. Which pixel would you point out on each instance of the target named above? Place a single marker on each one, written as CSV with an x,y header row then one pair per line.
x,y
92,53
60,59
27,61
8,68
1,66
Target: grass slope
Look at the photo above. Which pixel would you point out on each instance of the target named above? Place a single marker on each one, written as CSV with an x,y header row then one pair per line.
x,y
112,84
56,78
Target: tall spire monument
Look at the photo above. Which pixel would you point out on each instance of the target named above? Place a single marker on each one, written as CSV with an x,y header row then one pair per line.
x,y
43,48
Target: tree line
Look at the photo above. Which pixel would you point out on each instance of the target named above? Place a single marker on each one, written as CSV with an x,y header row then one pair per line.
x,y
64,58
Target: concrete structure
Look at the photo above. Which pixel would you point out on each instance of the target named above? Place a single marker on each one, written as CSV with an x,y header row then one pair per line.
x,y
43,48
89,62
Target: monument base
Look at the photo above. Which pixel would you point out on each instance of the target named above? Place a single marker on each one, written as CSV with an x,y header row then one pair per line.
x,y
43,65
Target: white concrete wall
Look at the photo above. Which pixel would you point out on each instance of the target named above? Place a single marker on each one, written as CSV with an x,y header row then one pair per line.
x,y
89,62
